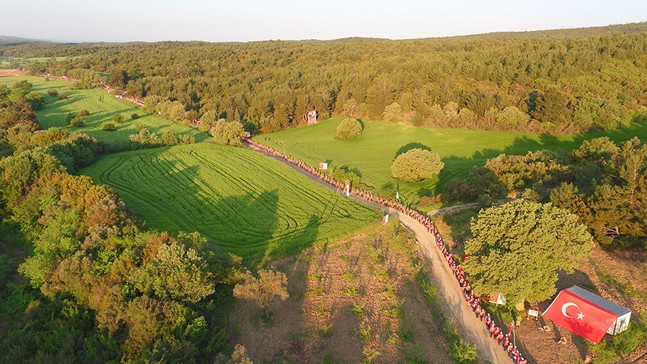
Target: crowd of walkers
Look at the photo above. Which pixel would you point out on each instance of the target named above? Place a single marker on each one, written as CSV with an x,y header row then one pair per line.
x,y
471,298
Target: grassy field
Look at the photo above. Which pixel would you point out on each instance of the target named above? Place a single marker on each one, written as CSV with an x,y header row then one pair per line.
x,y
102,106
249,204
372,153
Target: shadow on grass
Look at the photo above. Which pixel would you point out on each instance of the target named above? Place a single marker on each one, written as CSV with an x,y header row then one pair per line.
x,y
459,167
408,147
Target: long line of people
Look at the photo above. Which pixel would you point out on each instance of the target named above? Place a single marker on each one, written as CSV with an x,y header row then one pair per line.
x,y
471,298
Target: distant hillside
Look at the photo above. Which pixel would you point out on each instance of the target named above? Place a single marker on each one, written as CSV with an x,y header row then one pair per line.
x,y
8,40
553,81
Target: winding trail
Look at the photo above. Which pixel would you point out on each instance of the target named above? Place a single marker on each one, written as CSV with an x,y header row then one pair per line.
x,y
450,291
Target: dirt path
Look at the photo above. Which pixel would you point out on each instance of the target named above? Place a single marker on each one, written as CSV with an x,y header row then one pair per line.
x,y
472,328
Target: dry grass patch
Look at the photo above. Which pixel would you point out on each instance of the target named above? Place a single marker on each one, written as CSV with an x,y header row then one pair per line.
x,y
352,301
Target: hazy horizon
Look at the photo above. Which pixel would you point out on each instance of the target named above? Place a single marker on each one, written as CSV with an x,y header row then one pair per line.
x,y
254,20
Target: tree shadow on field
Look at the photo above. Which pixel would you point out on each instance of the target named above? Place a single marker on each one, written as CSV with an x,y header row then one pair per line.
x,y
292,243
408,147
459,167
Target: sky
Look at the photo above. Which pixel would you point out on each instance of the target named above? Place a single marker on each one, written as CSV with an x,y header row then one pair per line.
x,y
252,20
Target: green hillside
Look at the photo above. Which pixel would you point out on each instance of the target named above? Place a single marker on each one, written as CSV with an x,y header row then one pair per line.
x,y
372,153
249,204
102,106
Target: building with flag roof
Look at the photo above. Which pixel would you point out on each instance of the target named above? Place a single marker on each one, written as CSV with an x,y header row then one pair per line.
x,y
587,314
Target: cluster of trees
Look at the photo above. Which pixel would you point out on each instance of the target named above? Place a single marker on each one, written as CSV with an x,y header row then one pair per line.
x,y
144,138
102,288
551,81
17,115
602,182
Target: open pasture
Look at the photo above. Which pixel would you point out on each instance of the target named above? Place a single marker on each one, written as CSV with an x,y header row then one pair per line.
x,y
371,154
249,204
102,106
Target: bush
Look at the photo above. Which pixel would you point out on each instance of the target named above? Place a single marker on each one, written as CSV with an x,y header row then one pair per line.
x,y
108,127
84,112
463,352
416,165
348,129
118,118
134,116
77,121
484,200
36,100
52,92
62,96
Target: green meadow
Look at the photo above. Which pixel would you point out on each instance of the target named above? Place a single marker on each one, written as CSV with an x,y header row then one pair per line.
x,y
249,204
371,154
102,106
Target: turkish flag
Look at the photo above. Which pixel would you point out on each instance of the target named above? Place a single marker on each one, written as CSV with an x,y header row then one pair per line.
x,y
580,316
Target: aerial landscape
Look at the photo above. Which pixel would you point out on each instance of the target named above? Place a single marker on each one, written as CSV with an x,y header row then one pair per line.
x,y
364,182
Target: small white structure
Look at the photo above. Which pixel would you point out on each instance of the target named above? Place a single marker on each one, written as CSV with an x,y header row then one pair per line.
x,y
323,165
311,116
499,299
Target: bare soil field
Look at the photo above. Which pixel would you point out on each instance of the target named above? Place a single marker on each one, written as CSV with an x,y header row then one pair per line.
x,y
351,301
11,73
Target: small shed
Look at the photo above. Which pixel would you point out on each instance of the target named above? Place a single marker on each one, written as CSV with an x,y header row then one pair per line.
x,y
587,314
624,315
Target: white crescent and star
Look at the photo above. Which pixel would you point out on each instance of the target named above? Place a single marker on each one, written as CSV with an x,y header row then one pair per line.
x,y
580,316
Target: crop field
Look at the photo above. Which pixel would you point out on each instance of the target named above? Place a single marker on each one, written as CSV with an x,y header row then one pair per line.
x,y
249,204
372,153
102,106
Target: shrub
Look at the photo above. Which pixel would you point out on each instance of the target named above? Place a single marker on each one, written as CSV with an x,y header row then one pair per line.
x,y
84,112
484,200
77,121
463,352
348,129
52,92
62,96
134,116
118,118
108,127
416,165
263,289
36,100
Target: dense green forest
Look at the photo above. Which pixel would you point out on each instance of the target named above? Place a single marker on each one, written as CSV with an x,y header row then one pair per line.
x,y
94,286
563,81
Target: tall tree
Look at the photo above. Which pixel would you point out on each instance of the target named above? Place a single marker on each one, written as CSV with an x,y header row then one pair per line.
x,y
519,247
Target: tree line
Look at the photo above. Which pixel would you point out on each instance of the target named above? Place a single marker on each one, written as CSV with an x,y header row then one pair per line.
x,y
602,182
568,81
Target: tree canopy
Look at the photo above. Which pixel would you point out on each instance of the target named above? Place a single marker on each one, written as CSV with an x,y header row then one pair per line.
x,y
601,182
416,164
519,247
349,128
563,81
